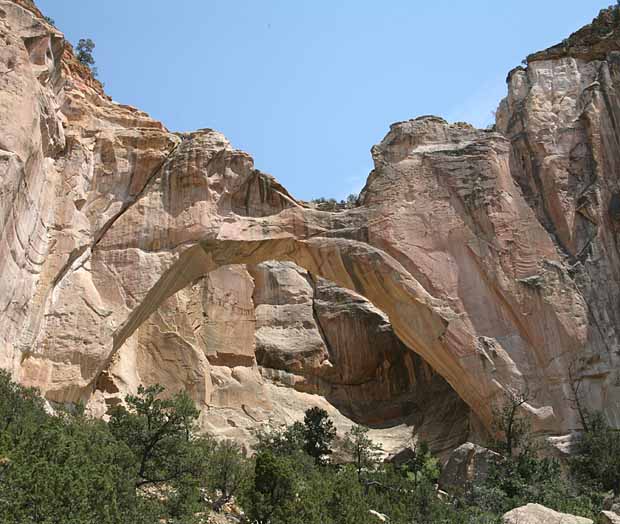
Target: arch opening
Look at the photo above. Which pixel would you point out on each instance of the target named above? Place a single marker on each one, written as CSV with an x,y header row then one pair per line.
x,y
420,322
273,339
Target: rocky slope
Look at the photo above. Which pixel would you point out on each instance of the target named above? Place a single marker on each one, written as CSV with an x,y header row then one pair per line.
x,y
477,261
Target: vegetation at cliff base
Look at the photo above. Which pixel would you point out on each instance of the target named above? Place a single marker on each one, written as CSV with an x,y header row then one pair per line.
x,y
149,464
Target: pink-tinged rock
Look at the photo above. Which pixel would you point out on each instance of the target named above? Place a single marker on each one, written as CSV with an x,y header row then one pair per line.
x,y
476,261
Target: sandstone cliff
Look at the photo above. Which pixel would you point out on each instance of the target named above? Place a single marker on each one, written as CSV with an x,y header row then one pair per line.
x,y
477,260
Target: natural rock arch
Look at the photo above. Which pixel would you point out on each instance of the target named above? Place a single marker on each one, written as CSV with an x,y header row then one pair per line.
x,y
429,267
507,248
423,323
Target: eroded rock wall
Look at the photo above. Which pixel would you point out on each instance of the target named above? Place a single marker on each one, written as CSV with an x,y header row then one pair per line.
x,y
260,344
562,116
477,261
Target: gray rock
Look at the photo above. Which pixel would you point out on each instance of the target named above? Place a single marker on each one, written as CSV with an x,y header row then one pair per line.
x,y
467,463
612,503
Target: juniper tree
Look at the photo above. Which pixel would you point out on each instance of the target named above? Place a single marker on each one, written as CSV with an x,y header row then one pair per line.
x,y
84,54
364,452
319,432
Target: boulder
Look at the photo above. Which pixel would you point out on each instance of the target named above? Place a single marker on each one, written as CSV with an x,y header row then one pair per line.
x,y
612,503
609,517
538,514
466,464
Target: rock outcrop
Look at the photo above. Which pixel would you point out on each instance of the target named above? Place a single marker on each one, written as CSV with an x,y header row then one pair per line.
x,y
561,116
537,514
476,262
468,464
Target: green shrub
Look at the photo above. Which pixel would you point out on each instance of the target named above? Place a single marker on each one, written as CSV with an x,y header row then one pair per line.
x,y
63,468
363,451
148,465
596,463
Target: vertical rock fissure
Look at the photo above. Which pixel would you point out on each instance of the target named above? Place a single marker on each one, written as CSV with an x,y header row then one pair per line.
x,y
546,221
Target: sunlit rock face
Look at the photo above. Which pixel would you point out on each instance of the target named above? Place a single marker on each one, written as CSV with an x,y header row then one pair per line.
x,y
562,117
262,343
477,261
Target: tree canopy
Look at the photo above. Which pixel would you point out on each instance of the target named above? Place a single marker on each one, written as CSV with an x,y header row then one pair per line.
x,y
149,464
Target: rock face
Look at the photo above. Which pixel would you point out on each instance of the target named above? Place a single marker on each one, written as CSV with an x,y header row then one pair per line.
x,y
537,514
476,262
561,116
259,344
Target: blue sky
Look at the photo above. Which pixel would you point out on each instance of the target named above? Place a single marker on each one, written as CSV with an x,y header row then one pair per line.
x,y
307,87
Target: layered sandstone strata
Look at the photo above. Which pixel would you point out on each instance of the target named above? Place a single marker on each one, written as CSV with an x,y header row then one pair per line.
x,y
477,262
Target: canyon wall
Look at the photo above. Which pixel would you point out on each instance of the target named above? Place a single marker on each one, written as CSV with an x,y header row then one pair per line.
x,y
476,261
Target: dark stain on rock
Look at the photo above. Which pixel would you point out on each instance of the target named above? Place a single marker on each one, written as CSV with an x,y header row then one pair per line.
x,y
614,208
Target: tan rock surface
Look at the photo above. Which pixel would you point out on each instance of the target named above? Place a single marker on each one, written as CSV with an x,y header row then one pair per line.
x,y
561,117
476,262
537,514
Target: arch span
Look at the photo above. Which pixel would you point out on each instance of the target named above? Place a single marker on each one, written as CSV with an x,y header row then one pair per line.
x,y
423,323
